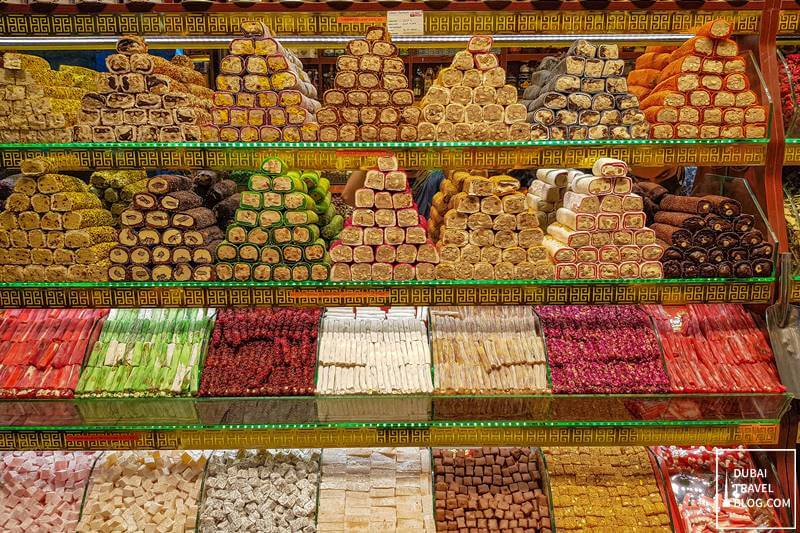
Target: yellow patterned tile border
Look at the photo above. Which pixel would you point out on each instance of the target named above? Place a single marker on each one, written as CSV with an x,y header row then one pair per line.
x,y
794,291
477,157
791,153
789,22
475,294
436,23
762,434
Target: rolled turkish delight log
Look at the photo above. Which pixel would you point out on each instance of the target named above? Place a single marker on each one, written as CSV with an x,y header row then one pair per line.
x,y
686,204
576,221
724,206
704,238
167,183
678,219
569,236
197,218
673,235
761,251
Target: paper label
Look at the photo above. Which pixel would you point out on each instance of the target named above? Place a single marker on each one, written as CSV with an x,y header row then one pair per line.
x,y
406,22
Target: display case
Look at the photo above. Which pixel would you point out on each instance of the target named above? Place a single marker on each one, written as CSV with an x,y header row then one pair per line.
x,y
190,435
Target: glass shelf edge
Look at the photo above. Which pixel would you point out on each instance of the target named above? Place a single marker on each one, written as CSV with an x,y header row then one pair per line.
x,y
371,284
379,145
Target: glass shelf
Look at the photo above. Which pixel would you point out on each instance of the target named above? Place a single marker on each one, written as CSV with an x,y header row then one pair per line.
x,y
411,155
175,423
373,145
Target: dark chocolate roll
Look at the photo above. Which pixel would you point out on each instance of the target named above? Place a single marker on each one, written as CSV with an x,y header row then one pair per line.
x,y
697,254
762,267
704,238
707,270
651,190
751,238
725,270
690,270
716,256
679,237
686,204
724,206
672,254
743,269
727,240
672,269
743,223
737,254
761,251
718,224
681,220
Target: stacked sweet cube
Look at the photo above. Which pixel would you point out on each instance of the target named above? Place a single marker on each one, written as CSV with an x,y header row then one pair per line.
x,y
143,491
485,230
371,99
43,491
471,101
263,94
53,228
385,238
38,104
584,96
275,234
600,231
144,98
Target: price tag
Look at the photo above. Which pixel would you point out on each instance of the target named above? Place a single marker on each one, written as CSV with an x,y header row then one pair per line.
x,y
406,22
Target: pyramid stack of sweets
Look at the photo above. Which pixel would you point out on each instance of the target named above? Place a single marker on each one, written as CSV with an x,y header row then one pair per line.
x,y
363,490
42,350
487,350
275,233
470,100
145,98
485,230
263,94
605,489
647,70
706,236
704,92
374,353
116,188
371,99
144,491
167,234
600,231
147,352
54,229
385,238
43,491
585,96
39,105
